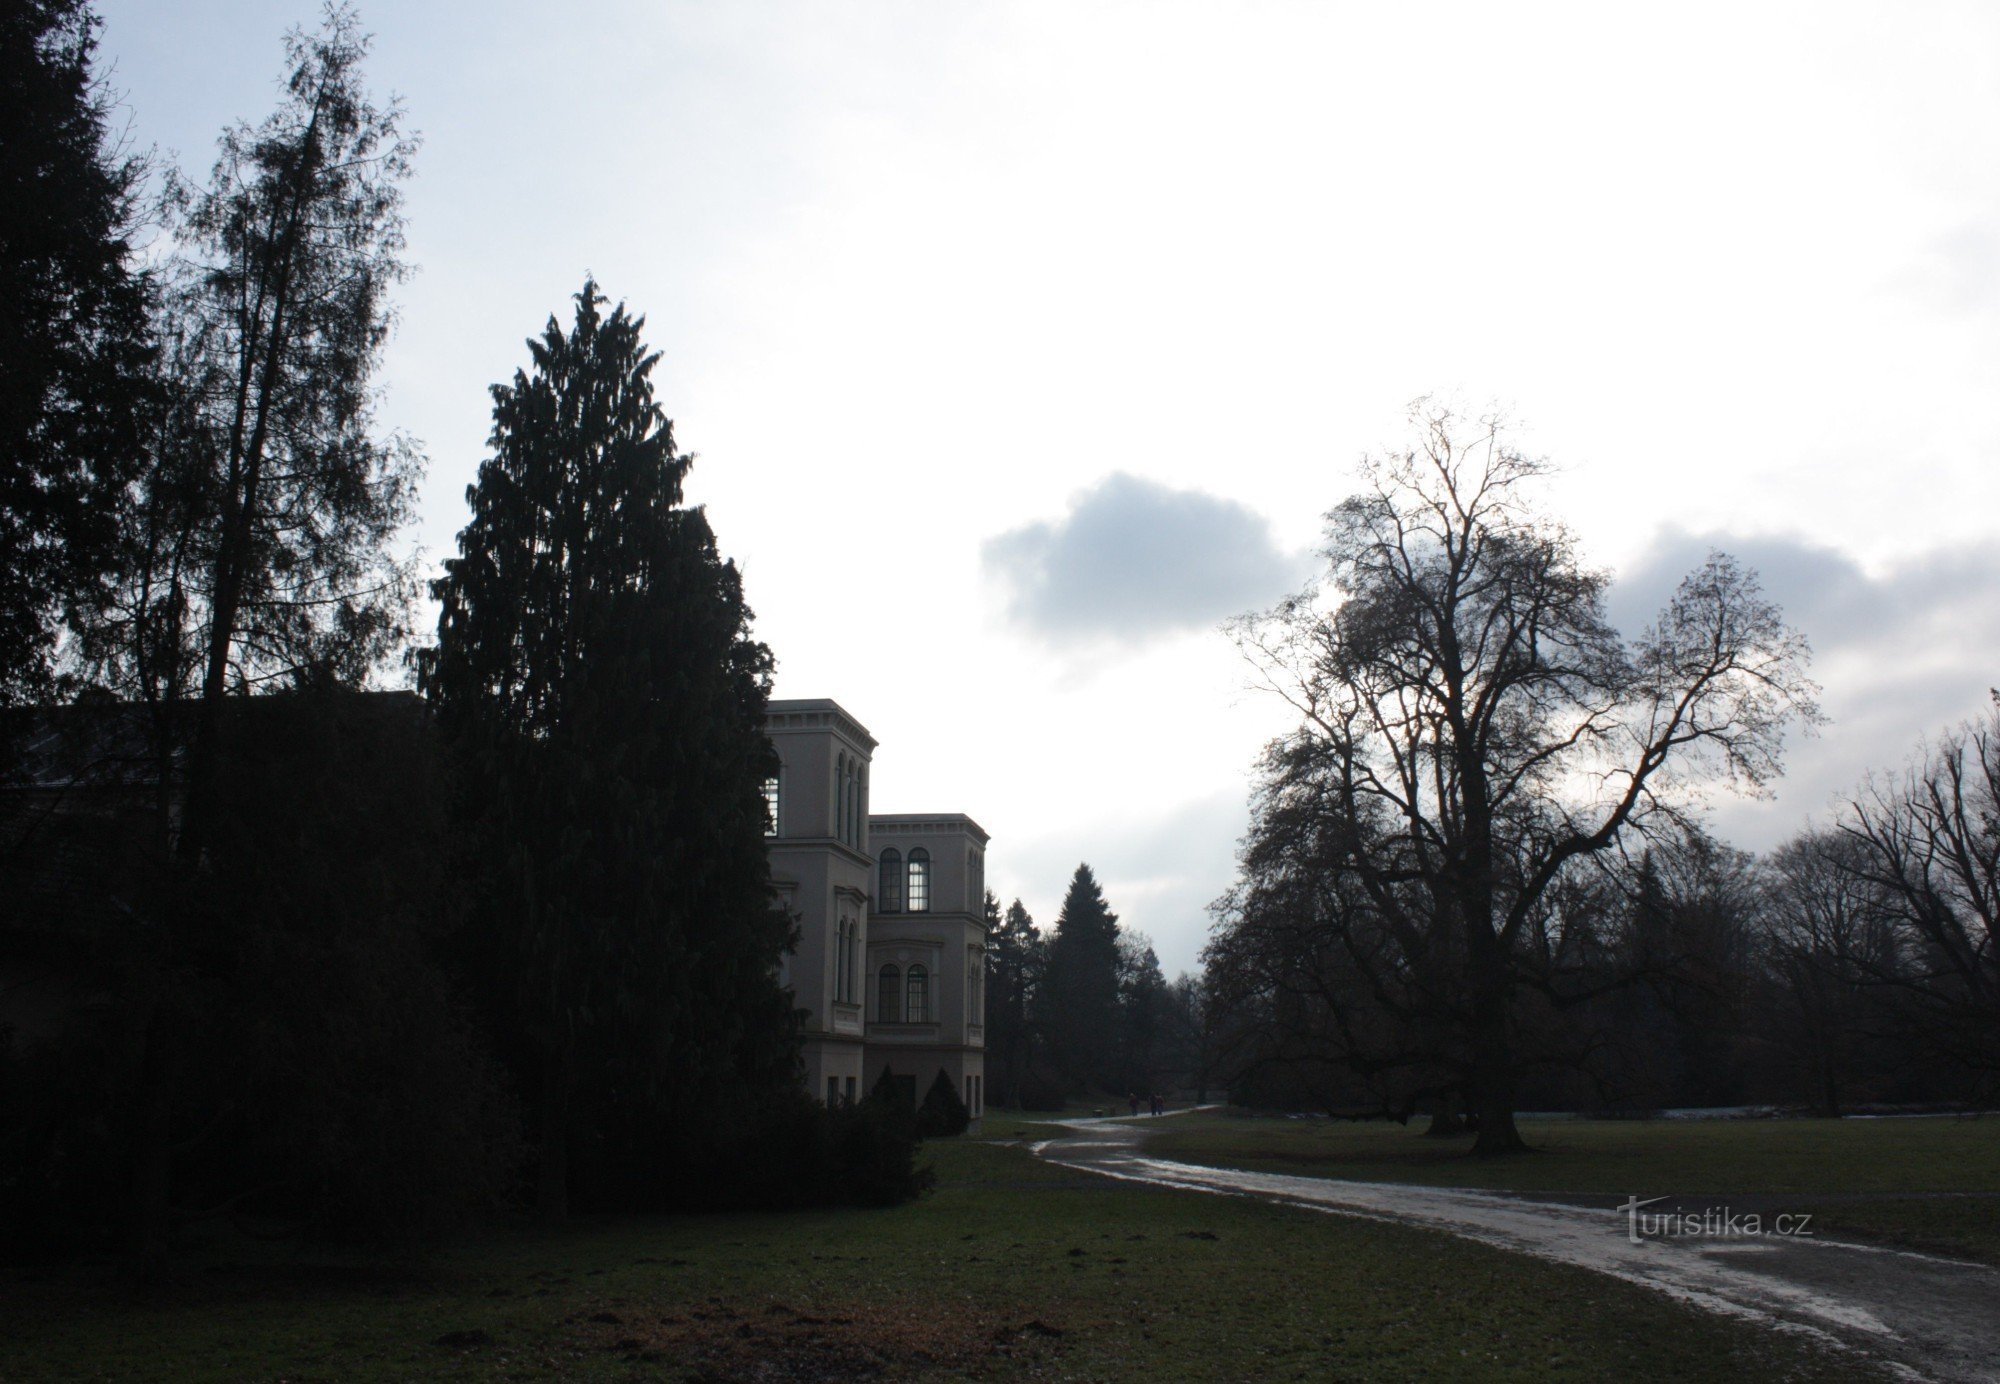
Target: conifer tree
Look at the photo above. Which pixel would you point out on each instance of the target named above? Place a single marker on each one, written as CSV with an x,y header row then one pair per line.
x,y
1081,989
1018,956
595,671
75,348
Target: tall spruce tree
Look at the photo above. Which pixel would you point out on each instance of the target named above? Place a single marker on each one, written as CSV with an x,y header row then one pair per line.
x,y
595,671
1081,988
75,344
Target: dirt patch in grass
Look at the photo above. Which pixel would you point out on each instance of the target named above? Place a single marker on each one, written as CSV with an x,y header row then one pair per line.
x,y
773,1341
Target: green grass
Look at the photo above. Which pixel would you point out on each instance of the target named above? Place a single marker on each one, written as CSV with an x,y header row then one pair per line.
x,y
1863,1178
1013,1268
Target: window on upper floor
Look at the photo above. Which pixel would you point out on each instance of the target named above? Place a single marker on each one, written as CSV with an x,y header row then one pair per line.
x,y
771,806
854,802
920,880
975,985
889,898
918,988
840,797
889,1007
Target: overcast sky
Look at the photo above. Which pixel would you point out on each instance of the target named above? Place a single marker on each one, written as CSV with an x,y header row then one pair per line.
x,y
1022,344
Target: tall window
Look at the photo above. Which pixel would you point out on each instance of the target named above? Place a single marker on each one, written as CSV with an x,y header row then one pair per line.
x,y
854,802
771,806
920,880
840,797
890,1005
890,898
975,985
919,988
840,957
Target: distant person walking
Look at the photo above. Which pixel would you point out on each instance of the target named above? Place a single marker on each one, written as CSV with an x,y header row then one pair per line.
x,y
1135,1102
1159,1106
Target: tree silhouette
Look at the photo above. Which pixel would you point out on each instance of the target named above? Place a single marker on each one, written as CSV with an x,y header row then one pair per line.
x,y
1080,990
1472,730
74,334
595,672
256,550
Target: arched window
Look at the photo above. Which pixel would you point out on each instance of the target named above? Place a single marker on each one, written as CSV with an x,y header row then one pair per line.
x,y
861,809
919,1011
975,985
891,1003
920,880
891,900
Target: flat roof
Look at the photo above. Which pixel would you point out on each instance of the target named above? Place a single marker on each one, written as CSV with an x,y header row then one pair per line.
x,y
807,709
925,823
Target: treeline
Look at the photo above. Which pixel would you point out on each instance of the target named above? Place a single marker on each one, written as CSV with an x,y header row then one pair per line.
x,y
1084,1010
356,964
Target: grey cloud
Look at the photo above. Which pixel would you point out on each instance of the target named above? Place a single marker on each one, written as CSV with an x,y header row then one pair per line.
x,y
1133,559
1900,654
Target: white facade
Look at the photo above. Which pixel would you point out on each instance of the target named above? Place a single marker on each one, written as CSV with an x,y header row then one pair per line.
x,y
891,959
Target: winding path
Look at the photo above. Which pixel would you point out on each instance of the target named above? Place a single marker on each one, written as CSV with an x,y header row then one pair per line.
x,y
1927,1317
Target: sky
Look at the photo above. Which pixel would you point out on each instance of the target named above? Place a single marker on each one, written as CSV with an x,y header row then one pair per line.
x,y
1021,345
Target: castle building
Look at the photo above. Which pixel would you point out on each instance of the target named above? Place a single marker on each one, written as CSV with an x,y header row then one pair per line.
x,y
890,965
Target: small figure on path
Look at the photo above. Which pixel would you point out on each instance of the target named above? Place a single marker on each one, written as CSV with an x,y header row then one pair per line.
x,y
1159,1106
1135,1102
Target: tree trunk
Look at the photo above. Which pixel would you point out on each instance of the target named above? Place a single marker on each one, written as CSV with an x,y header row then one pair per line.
x,y
152,1154
552,1182
1493,1077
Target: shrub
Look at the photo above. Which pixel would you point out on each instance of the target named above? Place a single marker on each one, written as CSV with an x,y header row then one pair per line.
x,y
943,1114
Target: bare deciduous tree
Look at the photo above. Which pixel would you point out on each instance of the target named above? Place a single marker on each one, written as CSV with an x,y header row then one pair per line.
x,y
1472,730
1926,848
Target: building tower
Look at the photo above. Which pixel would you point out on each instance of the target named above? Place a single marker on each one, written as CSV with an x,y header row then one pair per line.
x,y
818,809
927,955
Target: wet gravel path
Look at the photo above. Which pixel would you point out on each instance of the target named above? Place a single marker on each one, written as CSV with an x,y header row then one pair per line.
x,y
1927,1317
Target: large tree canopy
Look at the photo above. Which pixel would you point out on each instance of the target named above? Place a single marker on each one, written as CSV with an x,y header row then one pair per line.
x,y
1472,730
256,544
595,670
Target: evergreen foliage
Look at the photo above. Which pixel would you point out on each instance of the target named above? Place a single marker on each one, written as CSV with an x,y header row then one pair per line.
x,y
75,339
595,674
1081,1000
943,1113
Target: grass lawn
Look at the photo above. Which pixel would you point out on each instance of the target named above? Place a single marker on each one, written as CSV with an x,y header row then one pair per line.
x,y
1864,1178
1012,1268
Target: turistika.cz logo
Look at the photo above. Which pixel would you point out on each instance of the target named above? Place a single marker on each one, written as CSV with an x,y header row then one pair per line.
x,y
1710,1222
